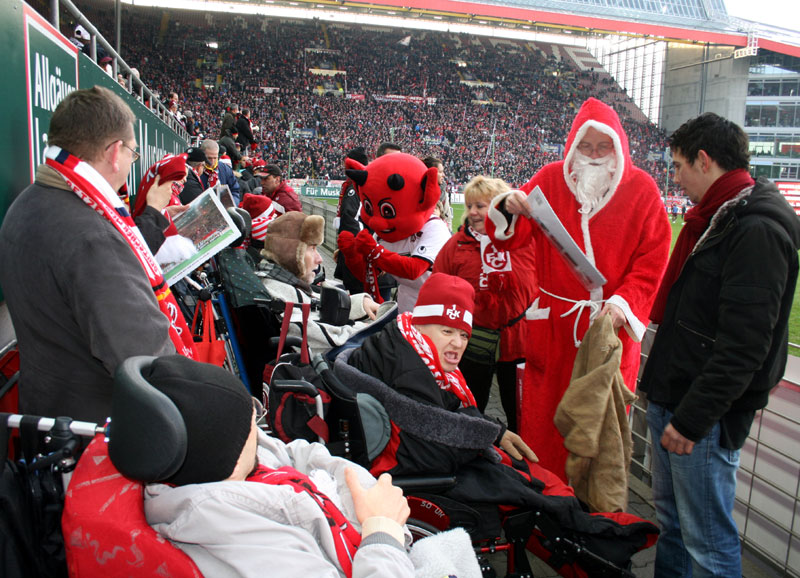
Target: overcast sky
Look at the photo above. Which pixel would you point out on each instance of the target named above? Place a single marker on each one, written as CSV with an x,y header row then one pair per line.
x,y
784,13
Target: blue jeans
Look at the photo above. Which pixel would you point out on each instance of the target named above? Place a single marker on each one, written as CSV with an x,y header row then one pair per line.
x,y
694,497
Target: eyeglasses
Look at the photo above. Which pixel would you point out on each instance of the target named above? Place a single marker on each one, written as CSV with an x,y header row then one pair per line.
x,y
134,153
602,148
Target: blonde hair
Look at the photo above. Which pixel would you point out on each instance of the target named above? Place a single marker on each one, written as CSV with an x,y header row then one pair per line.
x,y
483,188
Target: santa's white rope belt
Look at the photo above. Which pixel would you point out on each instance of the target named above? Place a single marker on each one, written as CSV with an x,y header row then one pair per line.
x,y
577,305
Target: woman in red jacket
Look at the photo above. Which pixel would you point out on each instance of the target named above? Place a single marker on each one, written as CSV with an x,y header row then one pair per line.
x,y
505,286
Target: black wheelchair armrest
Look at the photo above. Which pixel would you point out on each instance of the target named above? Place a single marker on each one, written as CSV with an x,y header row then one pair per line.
x,y
411,484
294,386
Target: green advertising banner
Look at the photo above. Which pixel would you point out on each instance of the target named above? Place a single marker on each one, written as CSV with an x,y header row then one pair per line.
x,y
40,68
320,192
51,72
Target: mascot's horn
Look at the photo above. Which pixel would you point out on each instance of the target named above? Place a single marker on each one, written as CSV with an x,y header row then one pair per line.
x,y
430,188
359,177
396,182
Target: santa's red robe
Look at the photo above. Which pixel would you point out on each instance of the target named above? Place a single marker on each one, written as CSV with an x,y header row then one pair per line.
x,y
627,237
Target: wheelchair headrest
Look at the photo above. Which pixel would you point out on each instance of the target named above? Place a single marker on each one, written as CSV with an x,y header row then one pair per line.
x,y
146,436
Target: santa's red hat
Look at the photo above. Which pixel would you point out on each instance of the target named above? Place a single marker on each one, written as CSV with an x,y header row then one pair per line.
x,y
445,300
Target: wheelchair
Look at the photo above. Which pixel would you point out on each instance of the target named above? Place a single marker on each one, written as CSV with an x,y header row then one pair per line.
x,y
357,413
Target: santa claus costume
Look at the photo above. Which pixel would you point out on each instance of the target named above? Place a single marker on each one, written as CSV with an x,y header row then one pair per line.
x,y
625,235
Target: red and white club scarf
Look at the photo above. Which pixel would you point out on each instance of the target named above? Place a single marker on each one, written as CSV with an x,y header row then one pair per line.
x,y
95,191
212,174
372,272
452,381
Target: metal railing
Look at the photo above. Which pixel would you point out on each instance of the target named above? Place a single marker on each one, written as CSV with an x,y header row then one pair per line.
x,y
134,84
767,508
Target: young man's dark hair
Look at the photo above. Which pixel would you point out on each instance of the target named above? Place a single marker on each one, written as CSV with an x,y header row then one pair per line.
x,y
358,154
723,140
387,148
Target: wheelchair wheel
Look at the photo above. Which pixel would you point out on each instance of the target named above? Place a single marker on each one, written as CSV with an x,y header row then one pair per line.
x,y
420,529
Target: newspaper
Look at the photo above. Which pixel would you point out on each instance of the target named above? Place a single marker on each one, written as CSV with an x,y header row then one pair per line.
x,y
554,230
225,195
204,229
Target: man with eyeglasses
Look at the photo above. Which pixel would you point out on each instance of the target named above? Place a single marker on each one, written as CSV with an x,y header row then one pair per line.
x,y
614,213
82,288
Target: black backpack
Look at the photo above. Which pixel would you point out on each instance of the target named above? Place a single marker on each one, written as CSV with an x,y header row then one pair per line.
x,y
32,499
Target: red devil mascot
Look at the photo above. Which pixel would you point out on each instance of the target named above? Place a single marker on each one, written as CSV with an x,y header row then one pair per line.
x,y
398,194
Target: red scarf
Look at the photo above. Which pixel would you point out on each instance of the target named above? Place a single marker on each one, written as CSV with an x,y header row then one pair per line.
x,y
345,537
211,173
95,191
452,381
372,272
696,222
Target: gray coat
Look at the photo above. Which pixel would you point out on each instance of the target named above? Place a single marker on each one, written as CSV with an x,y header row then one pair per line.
x,y
79,299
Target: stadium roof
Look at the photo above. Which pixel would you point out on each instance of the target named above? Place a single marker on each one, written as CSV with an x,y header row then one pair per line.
x,y
694,21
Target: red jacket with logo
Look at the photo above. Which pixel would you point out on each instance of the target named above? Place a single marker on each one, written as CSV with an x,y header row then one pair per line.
x,y
500,297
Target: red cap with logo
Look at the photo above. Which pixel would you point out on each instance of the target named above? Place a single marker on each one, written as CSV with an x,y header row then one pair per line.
x,y
445,300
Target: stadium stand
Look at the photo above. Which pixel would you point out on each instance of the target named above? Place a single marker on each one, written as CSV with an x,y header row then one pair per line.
x,y
482,106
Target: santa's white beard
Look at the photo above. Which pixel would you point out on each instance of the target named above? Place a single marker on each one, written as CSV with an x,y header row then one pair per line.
x,y
592,178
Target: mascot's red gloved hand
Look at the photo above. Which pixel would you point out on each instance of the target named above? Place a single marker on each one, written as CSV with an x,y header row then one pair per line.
x,y
365,243
346,243
388,261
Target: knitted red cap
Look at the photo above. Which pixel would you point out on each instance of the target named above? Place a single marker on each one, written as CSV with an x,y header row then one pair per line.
x,y
255,204
445,300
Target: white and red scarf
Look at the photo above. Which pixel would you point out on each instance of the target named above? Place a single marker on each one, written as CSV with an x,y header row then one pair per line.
x,y
372,272
212,174
452,381
95,191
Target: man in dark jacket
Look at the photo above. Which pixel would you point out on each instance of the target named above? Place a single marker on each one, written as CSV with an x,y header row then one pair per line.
x,y
244,128
193,187
347,220
229,120
723,308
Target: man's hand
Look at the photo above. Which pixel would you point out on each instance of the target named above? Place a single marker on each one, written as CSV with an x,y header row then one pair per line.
x,y
175,210
370,307
159,194
516,448
617,316
674,442
516,203
382,499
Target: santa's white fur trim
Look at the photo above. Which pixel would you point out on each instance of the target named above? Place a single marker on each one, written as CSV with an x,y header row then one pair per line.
x,y
499,220
634,327
615,180
534,312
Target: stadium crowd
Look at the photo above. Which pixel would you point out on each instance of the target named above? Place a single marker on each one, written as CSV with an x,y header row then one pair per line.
x,y
499,292
472,102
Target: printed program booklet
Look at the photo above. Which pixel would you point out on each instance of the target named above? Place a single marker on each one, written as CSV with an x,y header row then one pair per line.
x,y
554,230
204,229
